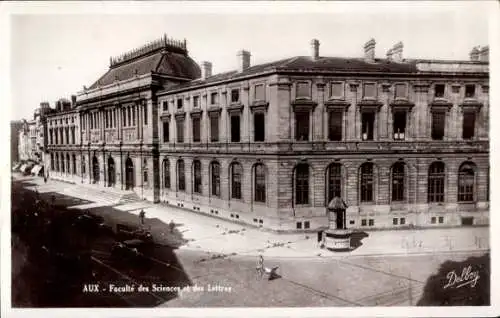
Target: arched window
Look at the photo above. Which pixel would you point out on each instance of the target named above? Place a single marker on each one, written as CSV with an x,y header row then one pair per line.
x,y
145,171
67,163
215,171
260,183
83,165
466,180
302,184
57,162
236,173
63,166
74,164
166,174
366,182
435,186
398,181
52,166
334,181
181,177
197,176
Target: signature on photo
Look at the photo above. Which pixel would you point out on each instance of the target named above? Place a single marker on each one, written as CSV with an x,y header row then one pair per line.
x,y
467,277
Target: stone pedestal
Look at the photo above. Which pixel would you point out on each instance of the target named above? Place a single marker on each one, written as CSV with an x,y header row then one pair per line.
x,y
337,239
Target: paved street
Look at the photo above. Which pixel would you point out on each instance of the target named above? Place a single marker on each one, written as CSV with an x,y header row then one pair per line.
x,y
382,271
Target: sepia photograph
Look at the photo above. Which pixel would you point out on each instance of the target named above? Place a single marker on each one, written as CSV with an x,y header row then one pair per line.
x,y
237,155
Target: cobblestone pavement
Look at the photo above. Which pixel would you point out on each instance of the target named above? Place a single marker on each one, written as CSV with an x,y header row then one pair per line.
x,y
390,268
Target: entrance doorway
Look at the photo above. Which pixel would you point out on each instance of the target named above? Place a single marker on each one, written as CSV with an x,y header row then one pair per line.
x,y
129,174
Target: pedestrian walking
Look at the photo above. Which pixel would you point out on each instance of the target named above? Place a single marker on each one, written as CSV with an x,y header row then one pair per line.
x,y
172,226
142,215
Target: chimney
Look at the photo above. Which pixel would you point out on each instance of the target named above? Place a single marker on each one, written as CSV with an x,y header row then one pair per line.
x,y
206,70
243,60
314,49
397,52
484,54
474,54
370,50
73,101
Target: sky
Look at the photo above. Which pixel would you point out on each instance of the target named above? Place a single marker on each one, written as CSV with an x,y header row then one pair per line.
x,y
55,52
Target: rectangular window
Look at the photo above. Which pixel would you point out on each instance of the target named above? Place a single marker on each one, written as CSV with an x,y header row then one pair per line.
x,y
367,125
196,101
470,90
165,106
399,125
469,124
214,128
441,219
306,224
394,221
260,93
402,221
335,126
179,103
438,122
259,127
439,90
299,225
166,131
302,126
145,113
196,129
180,130
400,91
214,98
363,222
302,90
369,90
433,220
235,95
235,128
371,222
337,90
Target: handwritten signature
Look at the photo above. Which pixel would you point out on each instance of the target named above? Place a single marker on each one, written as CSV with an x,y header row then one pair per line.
x,y
468,277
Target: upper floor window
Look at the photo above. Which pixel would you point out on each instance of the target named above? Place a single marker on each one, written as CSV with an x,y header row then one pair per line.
x,y
235,95
260,93
367,125
400,91
235,128
303,90
399,125
165,106
259,127
302,126
166,131
439,90
469,123
196,129
196,101
145,113
179,103
335,125
214,98
470,91
180,130
337,90
438,123
369,90
214,128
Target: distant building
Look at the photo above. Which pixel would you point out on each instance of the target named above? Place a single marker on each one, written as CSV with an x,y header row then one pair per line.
x,y
404,142
15,126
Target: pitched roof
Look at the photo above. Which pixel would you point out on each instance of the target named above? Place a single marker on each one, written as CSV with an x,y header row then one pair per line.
x,y
305,63
160,61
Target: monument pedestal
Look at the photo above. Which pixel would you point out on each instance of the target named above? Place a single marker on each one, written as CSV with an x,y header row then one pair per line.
x,y
337,239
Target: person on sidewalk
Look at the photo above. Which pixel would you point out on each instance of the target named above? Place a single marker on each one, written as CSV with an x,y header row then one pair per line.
x,y
142,215
171,225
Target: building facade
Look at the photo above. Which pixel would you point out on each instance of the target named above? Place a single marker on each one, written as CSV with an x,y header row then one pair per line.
x,y
403,141
15,127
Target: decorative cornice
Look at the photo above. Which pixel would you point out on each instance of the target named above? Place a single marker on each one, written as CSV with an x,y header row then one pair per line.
x,y
337,105
303,104
180,115
196,113
440,105
471,106
369,105
214,111
401,104
235,107
259,106
421,87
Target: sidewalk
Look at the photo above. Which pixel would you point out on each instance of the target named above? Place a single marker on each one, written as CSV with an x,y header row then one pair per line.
x,y
219,237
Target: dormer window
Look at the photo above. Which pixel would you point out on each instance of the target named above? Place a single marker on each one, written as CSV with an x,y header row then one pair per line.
x,y
337,90
470,91
439,90
235,95
303,90
214,98
369,90
179,103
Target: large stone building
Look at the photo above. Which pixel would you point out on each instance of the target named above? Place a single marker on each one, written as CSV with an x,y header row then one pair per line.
x,y
403,141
